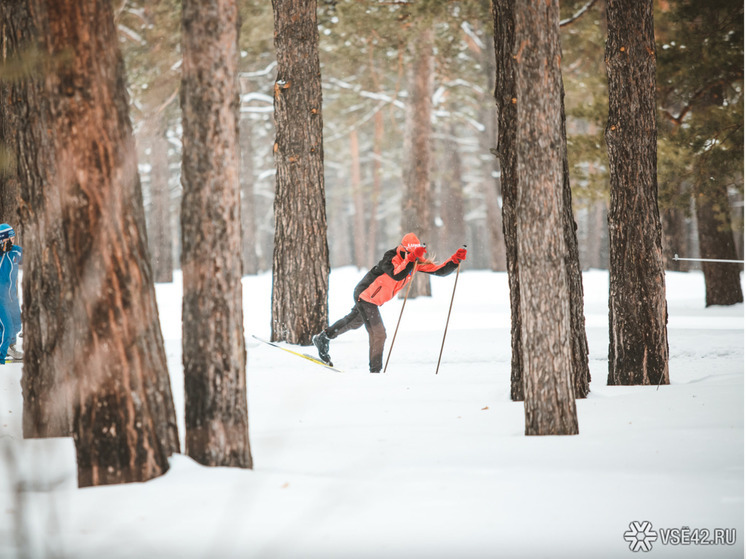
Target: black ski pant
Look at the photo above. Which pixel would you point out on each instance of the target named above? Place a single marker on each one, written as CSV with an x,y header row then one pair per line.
x,y
364,313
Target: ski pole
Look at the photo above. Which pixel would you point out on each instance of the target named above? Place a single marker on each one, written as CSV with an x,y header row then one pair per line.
x,y
406,294
676,258
455,283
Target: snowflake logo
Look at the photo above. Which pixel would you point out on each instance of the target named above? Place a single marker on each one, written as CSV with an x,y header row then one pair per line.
x,y
640,536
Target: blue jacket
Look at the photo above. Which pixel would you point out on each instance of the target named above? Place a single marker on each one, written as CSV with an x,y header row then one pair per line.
x,y
9,262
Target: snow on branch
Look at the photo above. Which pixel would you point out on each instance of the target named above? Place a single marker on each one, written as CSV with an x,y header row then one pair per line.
x,y
131,34
466,28
578,14
258,73
376,96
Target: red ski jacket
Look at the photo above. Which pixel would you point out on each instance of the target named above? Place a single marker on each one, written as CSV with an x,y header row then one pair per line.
x,y
392,273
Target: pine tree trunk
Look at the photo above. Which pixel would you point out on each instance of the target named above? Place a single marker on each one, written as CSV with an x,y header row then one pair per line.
x,y
675,240
376,194
159,232
357,192
581,373
417,199
638,345
300,268
249,241
124,420
491,167
452,199
505,97
506,49
546,332
722,280
214,352
25,129
596,237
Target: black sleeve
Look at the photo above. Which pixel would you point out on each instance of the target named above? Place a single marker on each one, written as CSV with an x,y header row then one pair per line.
x,y
446,268
387,266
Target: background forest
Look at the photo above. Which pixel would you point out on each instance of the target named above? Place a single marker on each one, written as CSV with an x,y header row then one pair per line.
x,y
367,51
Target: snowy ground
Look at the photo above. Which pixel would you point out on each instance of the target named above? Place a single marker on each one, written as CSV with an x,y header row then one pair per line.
x,y
414,465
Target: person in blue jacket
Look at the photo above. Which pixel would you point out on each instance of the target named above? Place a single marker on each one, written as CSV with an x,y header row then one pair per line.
x,y
11,256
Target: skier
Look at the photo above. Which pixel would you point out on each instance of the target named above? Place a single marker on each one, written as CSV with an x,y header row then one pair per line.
x,y
379,285
10,308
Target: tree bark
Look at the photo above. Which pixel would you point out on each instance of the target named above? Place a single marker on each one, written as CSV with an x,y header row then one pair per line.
x,y
160,229
25,128
417,197
715,233
638,345
545,299
214,352
249,240
16,40
124,420
300,266
581,374
503,12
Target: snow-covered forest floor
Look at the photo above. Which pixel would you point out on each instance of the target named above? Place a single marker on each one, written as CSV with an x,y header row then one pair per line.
x,y
412,465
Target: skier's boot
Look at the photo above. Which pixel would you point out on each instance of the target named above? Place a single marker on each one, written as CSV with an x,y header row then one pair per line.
x,y
13,353
321,341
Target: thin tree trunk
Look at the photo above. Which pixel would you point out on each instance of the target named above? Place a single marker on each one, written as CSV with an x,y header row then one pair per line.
x,y
505,95
160,230
357,193
452,198
417,199
214,352
722,280
597,227
376,194
300,269
249,241
581,373
124,420
675,240
546,332
491,167
638,345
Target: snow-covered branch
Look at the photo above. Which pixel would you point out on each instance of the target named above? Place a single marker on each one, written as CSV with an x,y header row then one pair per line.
x,y
578,14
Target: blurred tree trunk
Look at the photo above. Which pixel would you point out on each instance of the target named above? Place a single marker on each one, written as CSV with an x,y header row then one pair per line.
x,y
359,236
491,166
249,241
300,268
124,419
638,345
722,280
452,198
675,239
16,38
376,194
417,197
597,233
160,231
542,253
214,352
25,131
